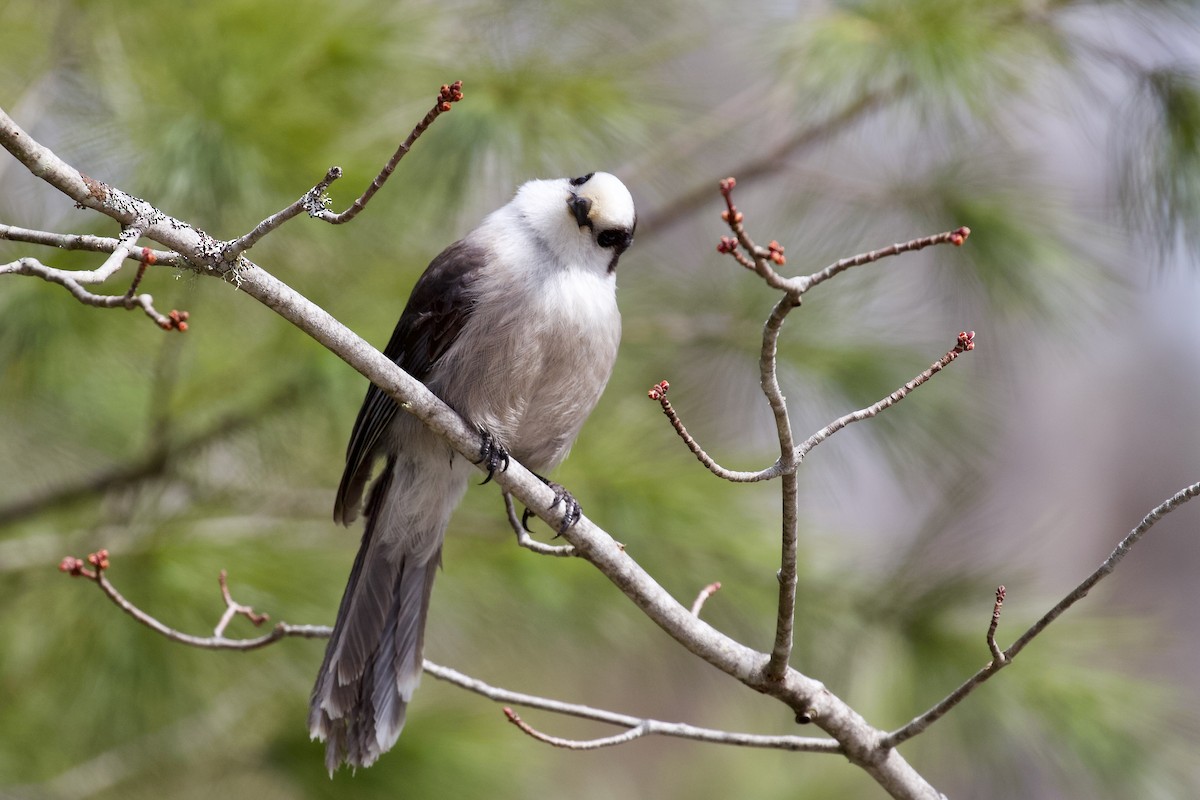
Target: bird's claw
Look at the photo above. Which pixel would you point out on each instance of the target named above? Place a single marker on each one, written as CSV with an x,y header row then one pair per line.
x,y
492,455
571,508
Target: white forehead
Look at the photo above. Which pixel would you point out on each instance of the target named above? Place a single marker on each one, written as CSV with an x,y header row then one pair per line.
x,y
612,203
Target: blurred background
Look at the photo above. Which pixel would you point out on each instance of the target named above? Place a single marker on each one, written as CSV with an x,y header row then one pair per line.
x,y
1065,134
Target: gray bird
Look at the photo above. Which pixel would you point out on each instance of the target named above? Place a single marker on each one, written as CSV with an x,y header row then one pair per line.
x,y
516,327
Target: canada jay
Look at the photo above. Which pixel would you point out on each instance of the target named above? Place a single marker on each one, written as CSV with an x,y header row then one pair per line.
x,y
516,327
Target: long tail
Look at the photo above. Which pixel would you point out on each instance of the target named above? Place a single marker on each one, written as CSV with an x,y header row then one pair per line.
x,y
373,660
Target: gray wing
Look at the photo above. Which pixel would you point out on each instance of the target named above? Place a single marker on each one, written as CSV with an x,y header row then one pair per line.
x,y
438,308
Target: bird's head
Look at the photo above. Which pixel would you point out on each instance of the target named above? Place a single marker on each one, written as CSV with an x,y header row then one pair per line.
x,y
587,220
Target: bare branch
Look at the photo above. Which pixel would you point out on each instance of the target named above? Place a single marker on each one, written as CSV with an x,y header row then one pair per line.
x,y
659,392
95,244
702,598
997,653
955,237
763,261
175,320
311,201
781,651
747,253
935,713
965,343
635,732
527,541
446,97
656,727
99,561
232,609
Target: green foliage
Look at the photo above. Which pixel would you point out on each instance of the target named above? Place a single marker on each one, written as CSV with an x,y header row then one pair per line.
x,y
224,111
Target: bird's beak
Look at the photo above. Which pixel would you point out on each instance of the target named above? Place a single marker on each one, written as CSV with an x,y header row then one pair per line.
x,y
580,206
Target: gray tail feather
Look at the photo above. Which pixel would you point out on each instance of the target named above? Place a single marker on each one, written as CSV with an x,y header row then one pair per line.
x,y
373,660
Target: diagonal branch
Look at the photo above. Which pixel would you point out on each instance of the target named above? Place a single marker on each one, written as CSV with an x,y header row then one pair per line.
x,y
1005,658
966,343
955,237
659,392
446,97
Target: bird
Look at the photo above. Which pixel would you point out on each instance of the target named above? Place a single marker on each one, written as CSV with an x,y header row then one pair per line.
x,y
516,327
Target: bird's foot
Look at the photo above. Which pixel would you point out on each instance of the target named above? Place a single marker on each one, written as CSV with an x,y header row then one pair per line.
x,y
571,509
492,455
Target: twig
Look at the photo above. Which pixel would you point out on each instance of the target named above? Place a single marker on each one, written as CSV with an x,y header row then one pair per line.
x,y
311,201
965,343
446,97
99,561
702,598
94,244
635,732
997,653
679,730
935,713
763,261
659,392
175,320
746,252
527,541
955,237
74,280
232,609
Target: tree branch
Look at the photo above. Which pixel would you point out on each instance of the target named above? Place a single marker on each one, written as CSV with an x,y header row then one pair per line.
x,y
527,541
966,343
448,95
94,244
99,562
659,392
1005,658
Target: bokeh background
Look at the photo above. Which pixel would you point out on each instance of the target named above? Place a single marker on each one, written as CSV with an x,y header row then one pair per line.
x,y
1065,134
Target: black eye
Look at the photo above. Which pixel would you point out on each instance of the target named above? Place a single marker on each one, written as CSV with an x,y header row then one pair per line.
x,y
582,179
614,237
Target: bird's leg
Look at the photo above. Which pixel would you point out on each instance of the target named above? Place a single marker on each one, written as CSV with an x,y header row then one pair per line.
x,y
492,455
571,513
